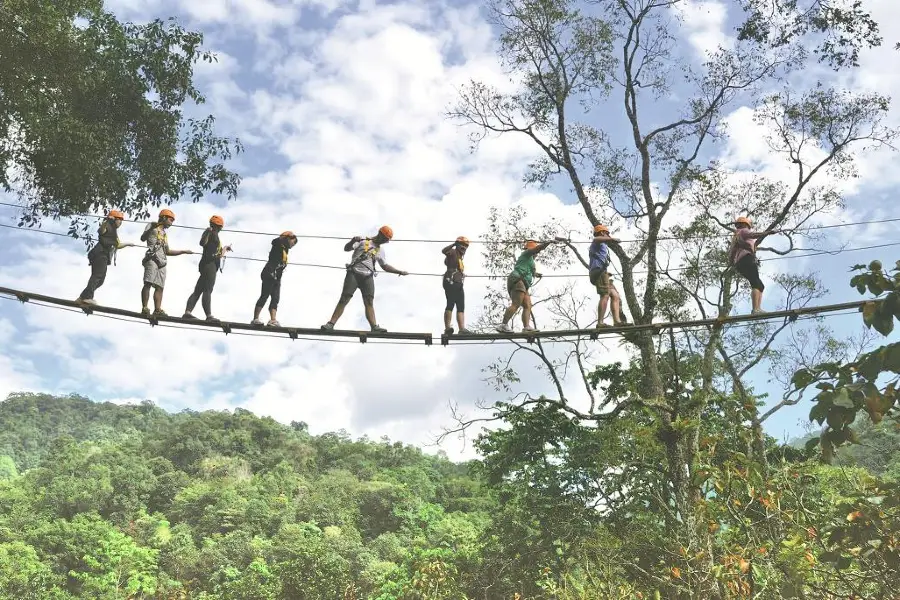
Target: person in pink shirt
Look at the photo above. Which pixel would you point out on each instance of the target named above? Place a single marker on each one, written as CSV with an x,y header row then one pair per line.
x,y
742,256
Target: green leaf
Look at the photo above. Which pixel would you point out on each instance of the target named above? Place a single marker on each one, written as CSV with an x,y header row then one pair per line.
x,y
802,378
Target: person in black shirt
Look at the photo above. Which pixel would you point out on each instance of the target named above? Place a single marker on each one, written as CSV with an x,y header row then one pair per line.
x,y
210,264
271,278
453,284
102,254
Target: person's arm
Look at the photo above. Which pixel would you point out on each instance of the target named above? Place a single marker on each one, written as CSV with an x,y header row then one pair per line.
x,y
388,268
179,252
759,234
349,245
605,239
447,249
543,245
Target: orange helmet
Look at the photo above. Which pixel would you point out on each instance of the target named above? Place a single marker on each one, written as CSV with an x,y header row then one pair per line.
x,y
288,234
742,221
217,220
600,229
530,244
115,214
386,231
166,213
463,241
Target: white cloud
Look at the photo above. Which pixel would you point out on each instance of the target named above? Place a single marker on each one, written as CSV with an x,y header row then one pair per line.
x,y
704,22
345,128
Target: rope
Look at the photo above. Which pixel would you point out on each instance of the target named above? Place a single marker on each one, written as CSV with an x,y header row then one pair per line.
x,y
810,252
476,241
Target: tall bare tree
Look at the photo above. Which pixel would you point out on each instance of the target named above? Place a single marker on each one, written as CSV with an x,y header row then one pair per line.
x,y
639,168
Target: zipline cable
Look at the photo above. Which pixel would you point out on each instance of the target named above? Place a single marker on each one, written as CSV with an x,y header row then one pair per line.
x,y
477,241
810,253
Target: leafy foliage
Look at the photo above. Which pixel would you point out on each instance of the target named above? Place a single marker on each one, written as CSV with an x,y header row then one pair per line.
x,y
92,114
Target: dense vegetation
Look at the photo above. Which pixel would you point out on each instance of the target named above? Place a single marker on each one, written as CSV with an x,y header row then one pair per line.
x,y
104,501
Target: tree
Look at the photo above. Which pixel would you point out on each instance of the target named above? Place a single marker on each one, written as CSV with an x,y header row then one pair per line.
x,y
92,113
567,59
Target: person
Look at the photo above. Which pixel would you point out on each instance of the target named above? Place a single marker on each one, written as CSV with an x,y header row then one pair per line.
x,y
598,272
210,265
361,275
742,256
518,283
156,260
271,278
102,254
453,284
617,299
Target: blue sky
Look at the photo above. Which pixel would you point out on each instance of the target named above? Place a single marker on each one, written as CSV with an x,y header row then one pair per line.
x,y
339,105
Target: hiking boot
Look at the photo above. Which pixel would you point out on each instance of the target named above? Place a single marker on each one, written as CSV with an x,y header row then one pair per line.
x,y
256,322
145,312
160,313
449,331
378,329
328,326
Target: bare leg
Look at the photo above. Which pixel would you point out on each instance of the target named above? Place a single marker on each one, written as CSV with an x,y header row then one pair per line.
x,y
157,298
338,311
516,303
256,311
601,308
145,295
616,308
460,319
447,315
756,298
272,312
370,314
526,310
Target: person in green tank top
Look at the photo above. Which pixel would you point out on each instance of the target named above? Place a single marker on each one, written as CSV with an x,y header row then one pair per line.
x,y
519,281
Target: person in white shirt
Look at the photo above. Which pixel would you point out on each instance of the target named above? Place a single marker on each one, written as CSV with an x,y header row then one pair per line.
x,y
361,275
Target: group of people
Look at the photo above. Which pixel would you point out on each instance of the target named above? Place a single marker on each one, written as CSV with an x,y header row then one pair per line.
x,y
360,271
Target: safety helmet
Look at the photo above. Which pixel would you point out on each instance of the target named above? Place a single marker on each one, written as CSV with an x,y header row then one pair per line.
x,y
742,221
530,244
217,220
115,214
166,213
288,234
600,229
386,231
463,241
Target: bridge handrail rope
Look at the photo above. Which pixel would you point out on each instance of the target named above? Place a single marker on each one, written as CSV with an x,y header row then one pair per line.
x,y
478,241
363,336
809,253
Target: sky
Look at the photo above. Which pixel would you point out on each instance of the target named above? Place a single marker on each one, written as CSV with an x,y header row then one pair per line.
x,y
340,105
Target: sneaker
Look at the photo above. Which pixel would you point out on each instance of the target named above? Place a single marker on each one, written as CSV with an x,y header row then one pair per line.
x,y
378,329
188,315
465,331
256,322
328,326
601,325
211,319
449,331
503,328
88,301
757,311
531,329
160,313
145,312
273,323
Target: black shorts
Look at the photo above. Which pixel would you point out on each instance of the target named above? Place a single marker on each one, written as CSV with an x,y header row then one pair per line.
x,y
354,281
455,295
750,270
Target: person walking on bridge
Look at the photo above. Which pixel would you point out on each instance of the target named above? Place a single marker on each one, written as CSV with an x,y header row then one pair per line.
x,y
742,256
598,272
271,278
156,260
210,265
361,275
103,254
518,284
453,285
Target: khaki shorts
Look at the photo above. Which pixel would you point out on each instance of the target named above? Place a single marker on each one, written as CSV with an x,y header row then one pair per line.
x,y
515,285
154,274
600,280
